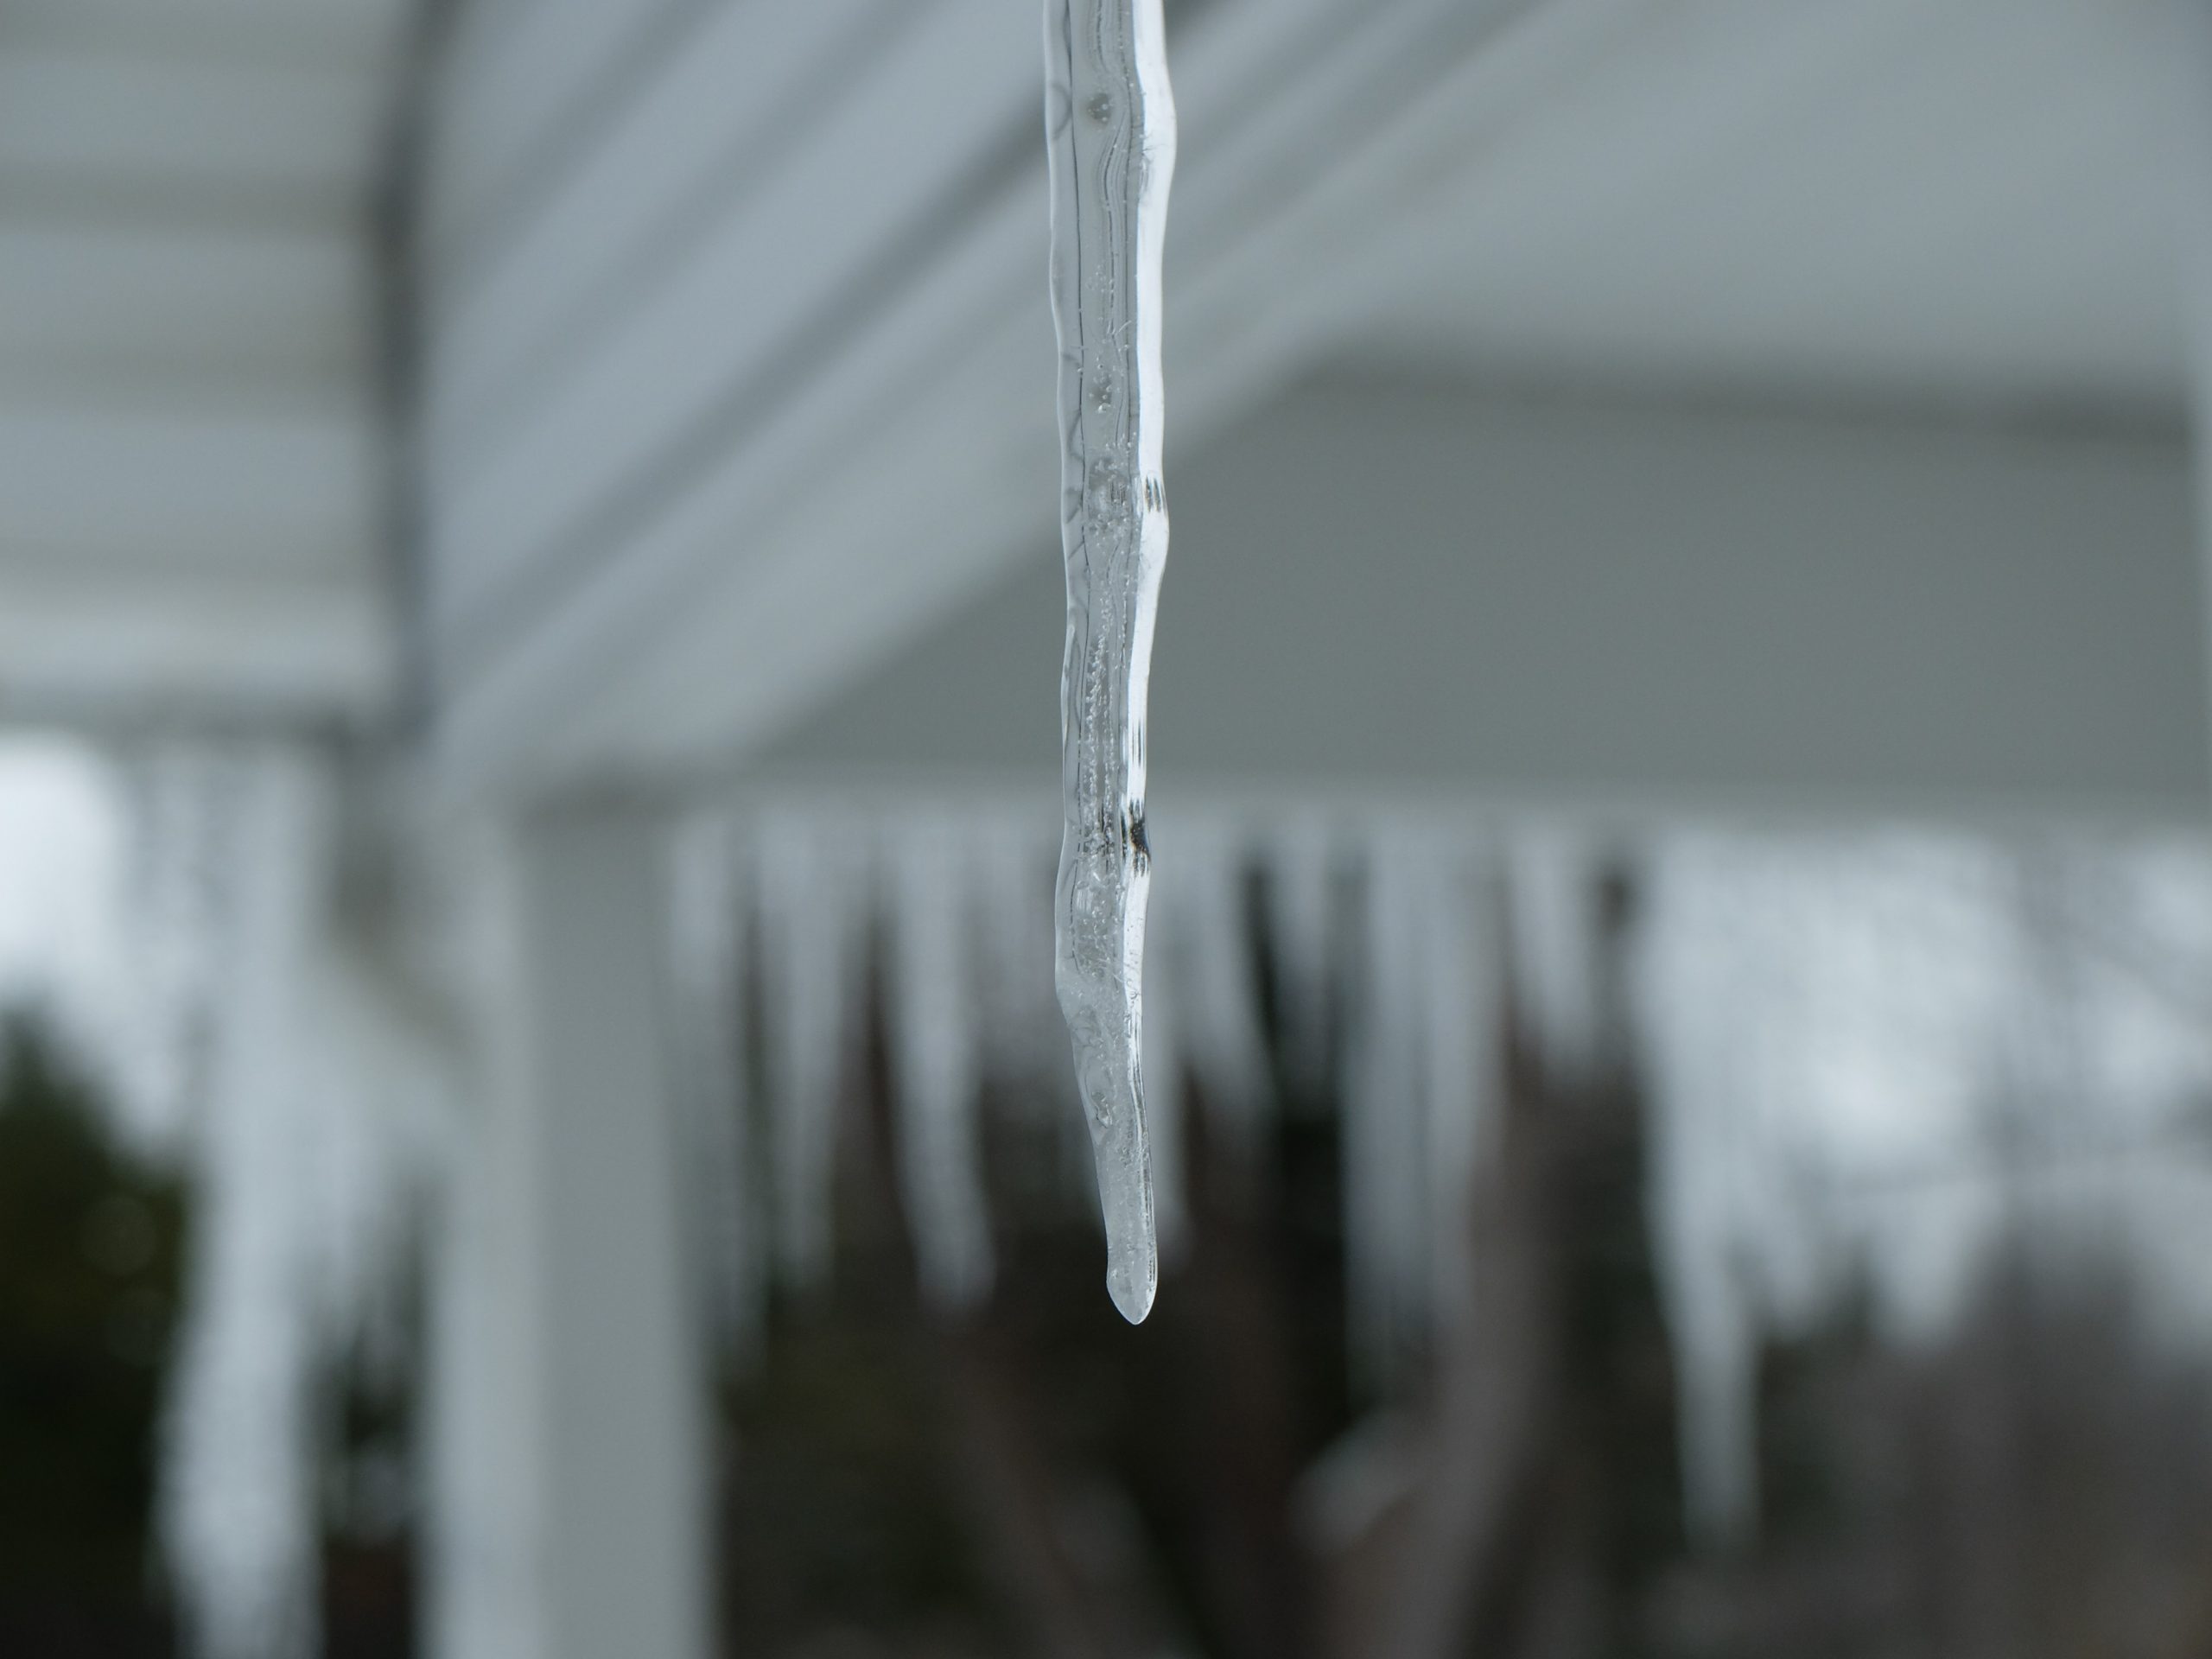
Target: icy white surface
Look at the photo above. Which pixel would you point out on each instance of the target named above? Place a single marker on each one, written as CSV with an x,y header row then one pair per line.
x,y
1110,121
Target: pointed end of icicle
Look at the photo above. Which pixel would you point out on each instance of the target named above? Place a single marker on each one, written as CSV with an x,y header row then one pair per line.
x,y
1133,1283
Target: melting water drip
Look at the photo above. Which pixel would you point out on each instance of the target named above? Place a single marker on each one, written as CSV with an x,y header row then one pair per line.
x,y
1110,124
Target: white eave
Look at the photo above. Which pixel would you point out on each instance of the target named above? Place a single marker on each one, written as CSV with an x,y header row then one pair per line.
x,y
740,359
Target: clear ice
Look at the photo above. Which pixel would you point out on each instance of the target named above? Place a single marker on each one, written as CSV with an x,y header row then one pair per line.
x,y
1110,124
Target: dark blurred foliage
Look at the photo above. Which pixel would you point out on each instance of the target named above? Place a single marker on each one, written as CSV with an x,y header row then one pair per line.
x,y
90,1245
1040,1479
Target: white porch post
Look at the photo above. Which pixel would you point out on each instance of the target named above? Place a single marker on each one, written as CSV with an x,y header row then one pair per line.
x,y
571,1412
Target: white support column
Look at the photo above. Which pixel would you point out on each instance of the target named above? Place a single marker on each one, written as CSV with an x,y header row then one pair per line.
x,y
570,1431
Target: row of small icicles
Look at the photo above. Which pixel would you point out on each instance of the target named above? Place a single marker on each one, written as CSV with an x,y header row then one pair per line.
x,y
1111,127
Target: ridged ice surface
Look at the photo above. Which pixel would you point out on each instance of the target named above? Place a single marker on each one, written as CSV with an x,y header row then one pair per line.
x,y
1110,121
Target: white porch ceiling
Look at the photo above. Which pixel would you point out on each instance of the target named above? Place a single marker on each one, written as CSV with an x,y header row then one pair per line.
x,y
189,497
1974,201
739,349
737,343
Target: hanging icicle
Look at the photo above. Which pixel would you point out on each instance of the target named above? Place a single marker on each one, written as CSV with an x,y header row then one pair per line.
x,y
1110,123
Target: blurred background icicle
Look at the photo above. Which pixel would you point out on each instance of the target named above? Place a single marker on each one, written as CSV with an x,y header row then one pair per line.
x,y
710,938
321,1108
1871,1060
1554,893
1168,1087
1203,1039
813,875
1462,1059
181,818
1299,856
1202,920
1831,1040
938,1072
1418,1081
1013,860
1702,990
241,1504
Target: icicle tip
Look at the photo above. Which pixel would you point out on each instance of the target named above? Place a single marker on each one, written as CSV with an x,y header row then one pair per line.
x,y
1132,1279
